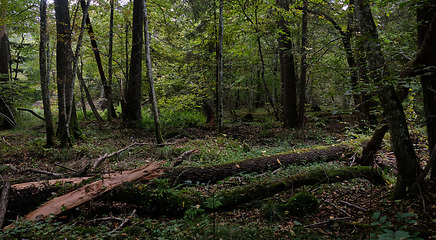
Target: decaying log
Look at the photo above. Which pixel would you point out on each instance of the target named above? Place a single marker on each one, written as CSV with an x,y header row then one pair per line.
x,y
92,190
214,173
371,148
244,194
40,184
4,201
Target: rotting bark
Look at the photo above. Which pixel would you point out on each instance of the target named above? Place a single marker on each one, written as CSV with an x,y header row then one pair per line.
x,y
212,174
91,191
372,146
244,194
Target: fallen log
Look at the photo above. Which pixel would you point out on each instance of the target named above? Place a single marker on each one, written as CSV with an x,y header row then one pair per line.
x,y
214,173
91,191
244,194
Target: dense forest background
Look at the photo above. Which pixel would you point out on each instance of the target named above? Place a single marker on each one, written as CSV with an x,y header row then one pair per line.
x,y
251,78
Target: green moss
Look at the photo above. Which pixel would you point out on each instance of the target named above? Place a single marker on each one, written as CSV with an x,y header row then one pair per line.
x,y
301,204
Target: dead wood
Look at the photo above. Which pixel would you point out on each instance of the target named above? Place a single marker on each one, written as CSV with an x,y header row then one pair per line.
x,y
43,172
92,190
184,156
371,148
4,201
123,223
247,193
41,184
32,112
354,206
214,173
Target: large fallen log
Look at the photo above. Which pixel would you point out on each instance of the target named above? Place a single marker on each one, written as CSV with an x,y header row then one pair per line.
x,y
214,173
92,190
247,193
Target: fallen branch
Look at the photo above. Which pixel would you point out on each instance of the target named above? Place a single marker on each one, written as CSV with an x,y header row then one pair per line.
x,y
185,156
43,172
105,156
325,222
123,223
4,201
32,112
354,206
90,191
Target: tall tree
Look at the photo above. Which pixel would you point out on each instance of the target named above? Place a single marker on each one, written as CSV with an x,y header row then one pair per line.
x,y
154,108
44,76
408,168
220,66
64,69
132,111
426,14
303,67
110,68
6,102
287,70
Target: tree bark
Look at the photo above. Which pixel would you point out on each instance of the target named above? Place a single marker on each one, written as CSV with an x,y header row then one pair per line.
x,y
303,68
371,147
106,86
6,102
220,70
44,76
132,112
425,63
64,69
408,168
244,194
153,100
111,112
287,71
212,174
88,95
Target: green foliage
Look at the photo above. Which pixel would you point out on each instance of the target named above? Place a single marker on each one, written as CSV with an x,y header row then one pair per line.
x,y
301,204
386,230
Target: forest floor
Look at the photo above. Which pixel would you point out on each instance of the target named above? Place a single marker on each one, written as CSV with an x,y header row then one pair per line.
x,y
354,209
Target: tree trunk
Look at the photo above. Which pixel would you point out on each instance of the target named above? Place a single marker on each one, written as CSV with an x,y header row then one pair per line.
x,y
153,100
426,15
64,69
408,168
287,70
132,112
6,104
303,68
244,194
371,147
106,86
111,110
88,95
50,141
212,174
220,70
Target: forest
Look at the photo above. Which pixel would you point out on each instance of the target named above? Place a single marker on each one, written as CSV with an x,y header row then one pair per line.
x,y
214,119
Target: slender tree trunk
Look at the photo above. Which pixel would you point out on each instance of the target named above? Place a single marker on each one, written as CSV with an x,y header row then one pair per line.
x,y
408,168
287,71
220,105
50,141
106,86
88,95
303,68
111,112
63,66
132,112
154,108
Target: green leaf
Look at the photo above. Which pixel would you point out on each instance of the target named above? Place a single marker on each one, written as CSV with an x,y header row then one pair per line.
x,y
401,234
376,215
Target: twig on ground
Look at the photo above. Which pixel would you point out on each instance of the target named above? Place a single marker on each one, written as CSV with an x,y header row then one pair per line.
x,y
43,172
4,140
340,209
123,223
353,205
68,168
105,219
184,156
328,221
106,155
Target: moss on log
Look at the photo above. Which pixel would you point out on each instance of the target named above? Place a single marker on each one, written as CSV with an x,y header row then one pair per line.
x,y
214,173
243,194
